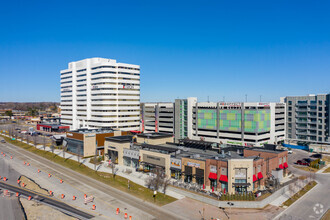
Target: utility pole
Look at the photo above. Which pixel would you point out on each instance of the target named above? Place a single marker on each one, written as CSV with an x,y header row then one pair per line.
x,y
260,98
245,97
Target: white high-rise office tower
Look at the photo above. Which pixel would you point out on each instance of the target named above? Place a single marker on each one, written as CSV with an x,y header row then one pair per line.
x,y
100,93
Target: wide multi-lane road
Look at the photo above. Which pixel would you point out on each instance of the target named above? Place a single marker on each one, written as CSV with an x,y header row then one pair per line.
x,y
93,187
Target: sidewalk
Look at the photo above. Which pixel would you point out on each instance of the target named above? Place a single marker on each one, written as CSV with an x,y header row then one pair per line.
x,y
323,169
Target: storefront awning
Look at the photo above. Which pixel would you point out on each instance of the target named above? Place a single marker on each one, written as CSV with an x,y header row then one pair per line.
x,y
254,178
260,176
285,165
223,178
281,166
213,176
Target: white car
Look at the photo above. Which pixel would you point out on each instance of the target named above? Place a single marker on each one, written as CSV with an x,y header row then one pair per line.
x,y
290,152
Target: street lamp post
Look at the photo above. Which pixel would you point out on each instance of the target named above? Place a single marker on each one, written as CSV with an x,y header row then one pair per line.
x,y
230,205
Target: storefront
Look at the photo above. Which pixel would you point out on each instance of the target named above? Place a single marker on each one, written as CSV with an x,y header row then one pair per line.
x,y
113,154
151,160
240,183
213,177
193,171
240,173
131,158
175,168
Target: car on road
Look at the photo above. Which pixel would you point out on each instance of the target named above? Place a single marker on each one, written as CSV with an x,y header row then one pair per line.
x,y
302,162
290,152
3,141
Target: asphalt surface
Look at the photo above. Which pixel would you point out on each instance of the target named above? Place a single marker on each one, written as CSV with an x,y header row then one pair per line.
x,y
9,206
80,180
46,200
315,202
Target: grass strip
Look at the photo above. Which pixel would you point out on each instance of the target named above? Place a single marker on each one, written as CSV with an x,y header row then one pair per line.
x,y
299,194
118,182
327,170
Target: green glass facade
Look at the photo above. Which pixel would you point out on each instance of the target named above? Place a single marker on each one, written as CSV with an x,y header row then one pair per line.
x,y
230,120
255,121
207,119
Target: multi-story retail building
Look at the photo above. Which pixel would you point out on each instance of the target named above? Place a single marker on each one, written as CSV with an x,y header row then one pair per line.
x,y
100,93
308,118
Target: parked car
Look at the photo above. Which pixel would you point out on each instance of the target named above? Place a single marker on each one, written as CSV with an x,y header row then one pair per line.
x,y
302,162
290,152
319,156
3,141
308,160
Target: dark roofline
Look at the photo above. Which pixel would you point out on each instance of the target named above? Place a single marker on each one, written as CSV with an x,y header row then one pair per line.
x,y
155,135
120,139
158,147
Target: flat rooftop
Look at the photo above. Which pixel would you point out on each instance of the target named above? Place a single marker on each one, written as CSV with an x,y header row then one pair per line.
x,y
120,139
155,135
96,131
265,150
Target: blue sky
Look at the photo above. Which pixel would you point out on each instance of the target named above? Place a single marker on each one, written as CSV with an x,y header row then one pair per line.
x,y
185,48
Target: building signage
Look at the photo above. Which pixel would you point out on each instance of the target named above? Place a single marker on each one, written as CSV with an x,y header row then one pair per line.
x,y
131,153
191,164
213,169
175,163
240,173
160,161
128,86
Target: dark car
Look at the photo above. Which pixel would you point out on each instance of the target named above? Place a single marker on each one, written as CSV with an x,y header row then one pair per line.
x,y
308,160
3,141
319,156
302,162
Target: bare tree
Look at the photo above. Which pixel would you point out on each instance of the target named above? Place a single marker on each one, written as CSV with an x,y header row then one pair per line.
x,y
79,152
166,182
35,140
63,149
44,141
157,179
114,170
27,138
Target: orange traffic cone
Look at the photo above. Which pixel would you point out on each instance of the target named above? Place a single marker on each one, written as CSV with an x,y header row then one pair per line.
x,y
28,164
38,171
61,181
5,179
1,152
18,181
73,198
29,198
117,212
4,155
94,207
130,218
62,196
49,175
85,196
11,157
24,162
17,194
23,184
125,215
51,193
